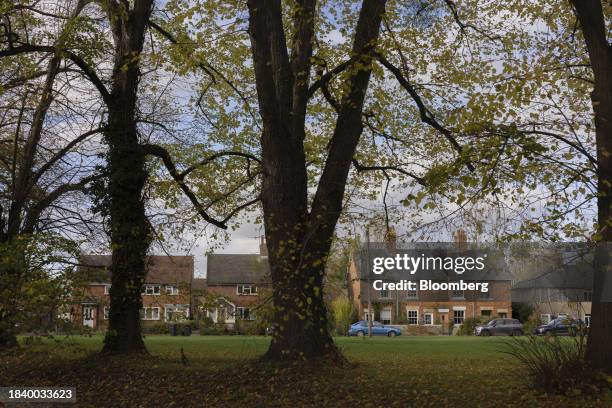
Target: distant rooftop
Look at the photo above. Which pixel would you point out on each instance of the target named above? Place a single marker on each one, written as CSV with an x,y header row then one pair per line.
x,y
230,269
160,268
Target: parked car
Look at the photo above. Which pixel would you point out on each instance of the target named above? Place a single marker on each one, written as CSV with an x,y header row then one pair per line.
x,y
561,326
378,329
500,327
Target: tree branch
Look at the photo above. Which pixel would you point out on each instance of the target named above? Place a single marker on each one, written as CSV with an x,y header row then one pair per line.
x,y
80,62
36,176
179,178
360,168
426,115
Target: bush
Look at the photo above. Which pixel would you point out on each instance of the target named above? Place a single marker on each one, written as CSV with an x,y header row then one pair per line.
x,y
557,365
343,314
402,318
209,331
530,325
157,328
249,328
217,330
206,322
468,326
522,311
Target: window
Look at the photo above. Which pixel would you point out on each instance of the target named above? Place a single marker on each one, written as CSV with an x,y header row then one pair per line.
x,y
458,316
149,313
246,290
545,318
587,320
176,312
172,290
151,289
485,313
428,319
412,294
106,312
503,315
244,313
413,316
458,294
385,315
107,289
384,293
587,296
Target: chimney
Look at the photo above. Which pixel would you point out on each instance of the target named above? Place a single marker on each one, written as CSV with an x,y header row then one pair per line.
x,y
391,240
263,247
460,238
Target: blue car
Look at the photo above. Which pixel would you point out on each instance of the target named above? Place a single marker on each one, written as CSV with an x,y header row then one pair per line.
x,y
378,329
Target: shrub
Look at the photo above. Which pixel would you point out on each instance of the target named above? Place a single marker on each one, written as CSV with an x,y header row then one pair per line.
x,y
557,365
248,327
522,311
468,326
206,322
209,331
401,318
531,324
343,314
157,328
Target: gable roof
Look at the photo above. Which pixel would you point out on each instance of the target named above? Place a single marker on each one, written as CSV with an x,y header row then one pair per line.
x,y
561,277
569,267
163,269
231,269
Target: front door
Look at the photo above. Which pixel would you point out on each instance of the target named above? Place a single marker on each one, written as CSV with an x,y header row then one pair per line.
x,y
88,315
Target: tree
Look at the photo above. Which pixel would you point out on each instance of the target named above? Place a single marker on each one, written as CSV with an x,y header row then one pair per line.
x,y
120,194
299,237
37,183
590,15
129,229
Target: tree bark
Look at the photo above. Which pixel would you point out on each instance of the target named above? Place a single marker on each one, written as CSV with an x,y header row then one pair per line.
x,y
591,18
299,240
129,227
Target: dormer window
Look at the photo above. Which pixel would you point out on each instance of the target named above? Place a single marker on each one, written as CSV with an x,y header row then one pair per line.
x,y
153,290
249,290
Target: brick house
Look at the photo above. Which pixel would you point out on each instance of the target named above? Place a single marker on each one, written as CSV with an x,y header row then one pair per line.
x,y
559,290
428,311
166,294
238,282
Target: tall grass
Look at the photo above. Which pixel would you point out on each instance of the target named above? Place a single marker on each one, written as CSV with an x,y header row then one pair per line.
x,y
557,365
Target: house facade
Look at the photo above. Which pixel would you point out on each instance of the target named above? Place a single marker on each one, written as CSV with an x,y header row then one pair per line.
x,y
431,311
561,291
237,284
166,294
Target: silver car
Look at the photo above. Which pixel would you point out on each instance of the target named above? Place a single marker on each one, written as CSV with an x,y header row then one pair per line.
x,y
500,327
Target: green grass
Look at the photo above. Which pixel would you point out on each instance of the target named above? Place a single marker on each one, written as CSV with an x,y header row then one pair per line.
x,y
222,371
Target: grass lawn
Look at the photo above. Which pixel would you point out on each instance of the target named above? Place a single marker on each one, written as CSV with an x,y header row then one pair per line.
x,y
222,372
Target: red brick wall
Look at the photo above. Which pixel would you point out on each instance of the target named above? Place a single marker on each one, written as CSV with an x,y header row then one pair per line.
x,y
95,293
229,292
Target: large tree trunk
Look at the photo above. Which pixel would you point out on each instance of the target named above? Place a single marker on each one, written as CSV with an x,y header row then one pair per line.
x,y
129,227
299,240
590,15
10,283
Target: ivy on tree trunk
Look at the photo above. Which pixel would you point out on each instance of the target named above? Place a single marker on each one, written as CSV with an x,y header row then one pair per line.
x,y
129,227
